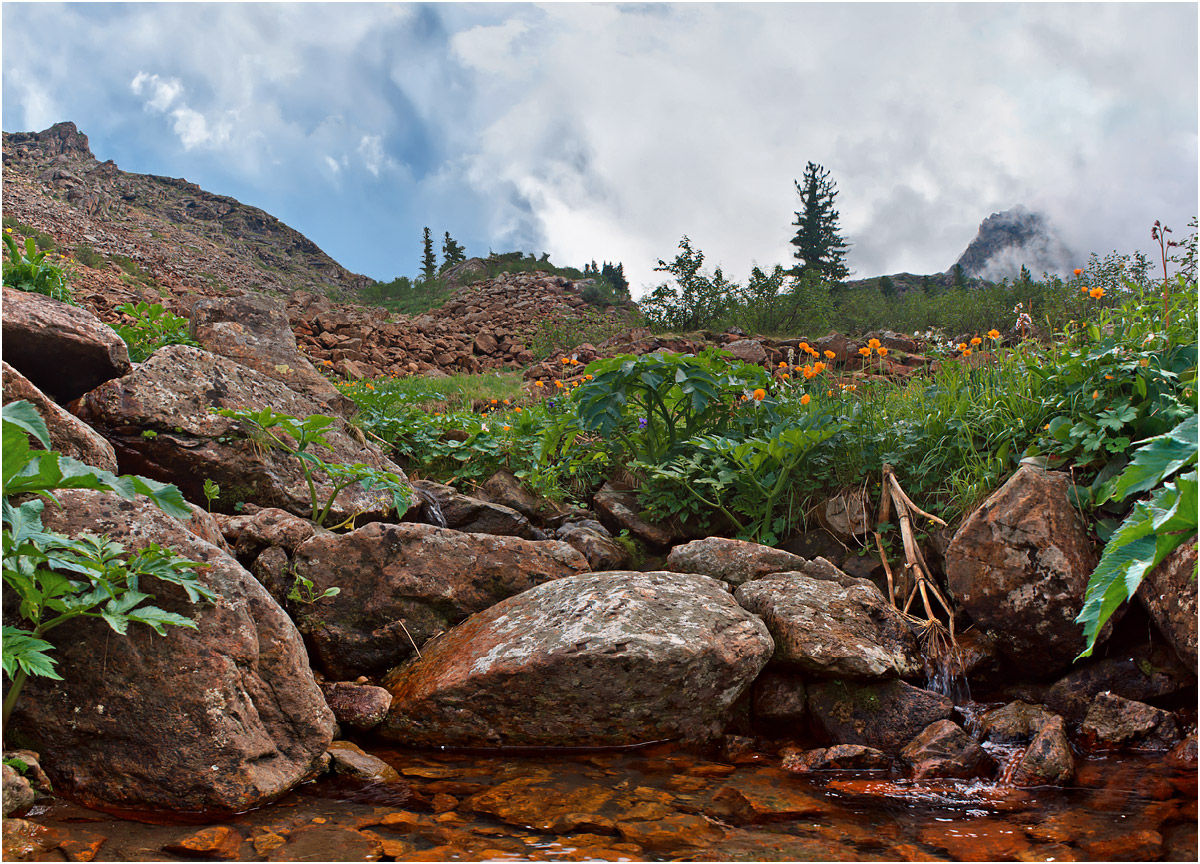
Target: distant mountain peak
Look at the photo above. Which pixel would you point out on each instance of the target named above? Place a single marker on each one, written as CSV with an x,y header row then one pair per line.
x,y
1011,239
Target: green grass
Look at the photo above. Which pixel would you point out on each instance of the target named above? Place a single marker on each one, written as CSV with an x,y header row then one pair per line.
x,y
443,395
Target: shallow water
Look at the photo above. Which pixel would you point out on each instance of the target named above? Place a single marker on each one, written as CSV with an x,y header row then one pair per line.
x,y
665,803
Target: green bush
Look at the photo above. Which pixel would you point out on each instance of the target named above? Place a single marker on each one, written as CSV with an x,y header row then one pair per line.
x,y
28,270
152,327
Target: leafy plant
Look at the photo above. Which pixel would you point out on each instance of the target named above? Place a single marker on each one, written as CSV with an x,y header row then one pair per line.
x,y
58,578
296,437
152,327
211,492
1153,529
303,592
28,270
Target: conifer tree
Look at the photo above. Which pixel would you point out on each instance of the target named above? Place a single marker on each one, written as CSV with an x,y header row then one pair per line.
x,y
428,260
819,245
452,252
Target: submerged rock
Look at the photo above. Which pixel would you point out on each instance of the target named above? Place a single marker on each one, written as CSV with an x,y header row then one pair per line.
x,y
403,583
598,659
1019,566
833,630
218,719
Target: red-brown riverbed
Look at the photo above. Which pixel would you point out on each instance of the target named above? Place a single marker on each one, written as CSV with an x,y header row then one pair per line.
x,y
665,803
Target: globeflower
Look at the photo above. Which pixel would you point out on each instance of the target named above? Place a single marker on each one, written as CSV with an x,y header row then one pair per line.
x,y
866,352
805,399
759,394
993,333
1078,271
881,351
975,340
872,344
1096,293
829,355
538,384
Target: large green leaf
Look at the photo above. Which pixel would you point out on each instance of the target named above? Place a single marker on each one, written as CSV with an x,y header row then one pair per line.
x,y
1157,459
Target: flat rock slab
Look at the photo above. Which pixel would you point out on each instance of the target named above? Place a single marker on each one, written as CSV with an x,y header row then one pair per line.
x,y
218,719
403,583
63,349
158,419
609,658
833,630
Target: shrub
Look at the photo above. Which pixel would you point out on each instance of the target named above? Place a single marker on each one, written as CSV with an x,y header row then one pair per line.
x,y
152,327
28,270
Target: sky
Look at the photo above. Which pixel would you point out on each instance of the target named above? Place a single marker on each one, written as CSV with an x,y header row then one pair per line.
x,y
607,132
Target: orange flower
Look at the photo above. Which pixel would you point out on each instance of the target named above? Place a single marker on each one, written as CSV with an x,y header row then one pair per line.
x,y
805,399
881,351
828,392
808,372
760,394
1108,378
812,352
506,428
866,352
966,352
785,376
872,343
588,377
1083,290
506,402
518,409
804,346
370,386
557,383
829,355
538,384
1096,293
782,364
566,360
1078,271
962,346
993,334
1095,394
818,367
493,402
744,397
975,340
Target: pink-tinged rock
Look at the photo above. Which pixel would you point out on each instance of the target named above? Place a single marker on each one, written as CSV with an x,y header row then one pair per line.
x,y
1015,723
403,583
69,435
747,350
598,659
943,749
595,543
840,757
884,715
253,329
733,561
619,510
63,349
1049,759
217,719
833,630
170,396
1019,566
362,706
1169,595
267,527
1115,722
464,513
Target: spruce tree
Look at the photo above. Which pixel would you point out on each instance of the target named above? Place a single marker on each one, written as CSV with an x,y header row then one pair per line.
x,y
452,253
428,260
819,245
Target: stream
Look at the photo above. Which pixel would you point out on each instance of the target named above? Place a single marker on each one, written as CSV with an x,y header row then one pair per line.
x,y
663,803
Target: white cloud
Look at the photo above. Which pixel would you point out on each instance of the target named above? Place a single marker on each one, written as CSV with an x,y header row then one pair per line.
x,y
162,91
192,127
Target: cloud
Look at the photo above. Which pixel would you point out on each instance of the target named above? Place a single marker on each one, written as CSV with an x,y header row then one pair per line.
x,y
192,127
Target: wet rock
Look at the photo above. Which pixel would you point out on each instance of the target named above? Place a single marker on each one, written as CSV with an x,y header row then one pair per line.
x,y
64,350
533,803
619,511
219,842
767,795
1019,566
349,759
840,757
778,697
1145,672
158,712
1143,845
505,489
32,771
253,329
324,842
361,706
733,561
23,840
1049,759
1183,755
943,749
1115,722
595,543
403,583
1015,723
1169,594
884,715
18,794
671,833
830,629
598,659
69,435
170,395
464,513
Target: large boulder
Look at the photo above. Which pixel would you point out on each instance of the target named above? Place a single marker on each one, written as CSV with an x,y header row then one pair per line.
x,y
69,435
599,659
1019,566
833,630
734,561
1115,722
218,719
63,349
884,715
402,584
1169,595
159,421
253,329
